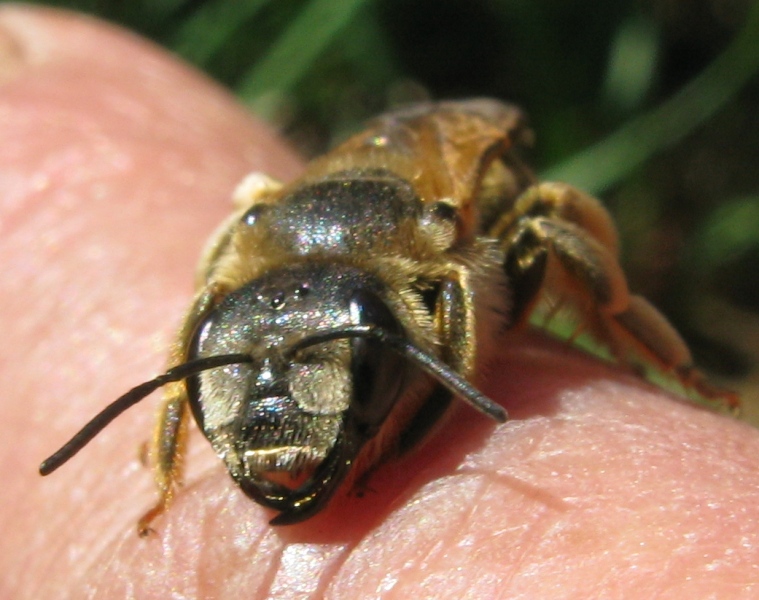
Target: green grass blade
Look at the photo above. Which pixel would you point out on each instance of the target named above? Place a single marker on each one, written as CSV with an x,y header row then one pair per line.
x,y
294,52
612,159
204,33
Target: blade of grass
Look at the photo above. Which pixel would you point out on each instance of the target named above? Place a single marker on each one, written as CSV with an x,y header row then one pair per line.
x,y
205,32
293,53
604,164
632,63
730,231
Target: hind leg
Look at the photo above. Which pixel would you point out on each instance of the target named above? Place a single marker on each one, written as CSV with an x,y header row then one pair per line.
x,y
562,241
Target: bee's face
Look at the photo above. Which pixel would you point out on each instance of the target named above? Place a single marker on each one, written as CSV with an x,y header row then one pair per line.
x,y
297,415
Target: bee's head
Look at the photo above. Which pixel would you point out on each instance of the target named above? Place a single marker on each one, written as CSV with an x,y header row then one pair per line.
x,y
290,422
290,376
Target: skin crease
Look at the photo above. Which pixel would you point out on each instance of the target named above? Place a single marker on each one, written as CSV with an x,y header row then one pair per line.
x,y
116,163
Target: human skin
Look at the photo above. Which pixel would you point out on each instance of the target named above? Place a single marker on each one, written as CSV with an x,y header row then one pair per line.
x,y
115,163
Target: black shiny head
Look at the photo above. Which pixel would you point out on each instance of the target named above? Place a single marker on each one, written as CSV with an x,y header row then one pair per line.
x,y
290,423
289,378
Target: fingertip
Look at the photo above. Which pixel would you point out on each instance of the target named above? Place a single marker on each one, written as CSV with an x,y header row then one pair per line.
x,y
117,161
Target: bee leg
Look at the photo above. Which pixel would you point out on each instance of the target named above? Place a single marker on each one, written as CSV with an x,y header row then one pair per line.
x,y
167,452
553,219
525,268
169,440
561,240
655,337
254,188
428,416
455,322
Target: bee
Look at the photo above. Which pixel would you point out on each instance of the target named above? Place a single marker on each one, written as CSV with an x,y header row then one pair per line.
x,y
337,317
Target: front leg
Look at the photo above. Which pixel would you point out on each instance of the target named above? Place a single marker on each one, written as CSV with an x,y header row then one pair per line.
x,y
167,452
454,325
169,440
455,322
563,242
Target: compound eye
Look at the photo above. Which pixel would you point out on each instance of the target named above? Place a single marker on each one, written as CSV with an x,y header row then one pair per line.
x,y
254,214
377,372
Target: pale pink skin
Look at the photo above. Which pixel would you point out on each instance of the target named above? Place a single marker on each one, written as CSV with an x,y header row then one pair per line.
x,y
115,163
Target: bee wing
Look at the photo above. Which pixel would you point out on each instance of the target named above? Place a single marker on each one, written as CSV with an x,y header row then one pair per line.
x,y
442,148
